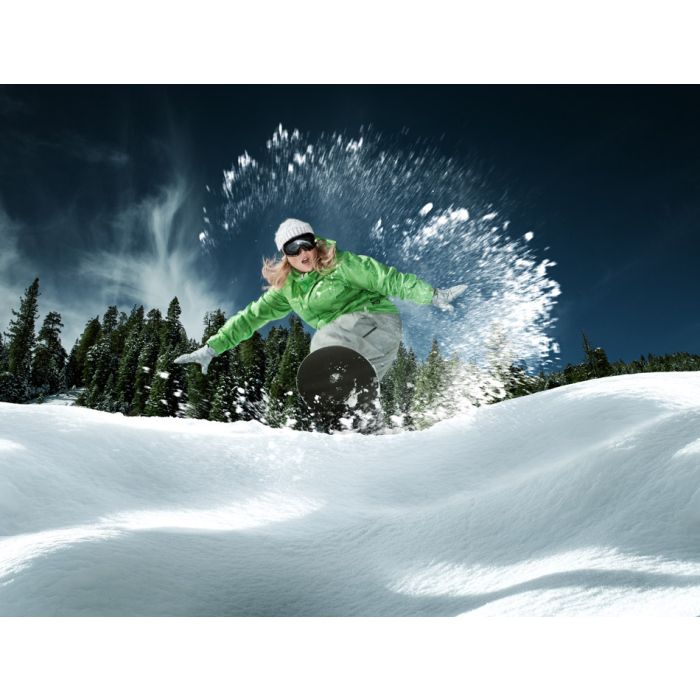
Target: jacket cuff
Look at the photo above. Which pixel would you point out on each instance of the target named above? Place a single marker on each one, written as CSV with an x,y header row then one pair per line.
x,y
217,345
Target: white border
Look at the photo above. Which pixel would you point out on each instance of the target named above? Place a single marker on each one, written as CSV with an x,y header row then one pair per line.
x,y
367,41
349,658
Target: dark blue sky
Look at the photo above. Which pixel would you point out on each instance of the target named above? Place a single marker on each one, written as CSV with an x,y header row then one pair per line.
x,y
608,177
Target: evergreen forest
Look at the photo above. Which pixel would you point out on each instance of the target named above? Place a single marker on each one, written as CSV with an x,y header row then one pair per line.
x,y
124,363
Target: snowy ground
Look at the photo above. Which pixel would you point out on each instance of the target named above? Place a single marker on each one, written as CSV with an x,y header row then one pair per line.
x,y
66,398
584,500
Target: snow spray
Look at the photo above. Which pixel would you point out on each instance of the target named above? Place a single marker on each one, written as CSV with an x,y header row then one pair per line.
x,y
403,202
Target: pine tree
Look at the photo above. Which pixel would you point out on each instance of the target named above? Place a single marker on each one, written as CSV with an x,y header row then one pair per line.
x,y
575,373
170,383
213,320
110,320
75,368
72,372
200,388
518,382
274,349
135,320
98,366
147,360
222,405
101,362
285,405
49,357
162,400
9,387
466,385
119,334
399,387
388,390
500,358
597,363
275,344
3,355
21,341
108,401
252,371
128,362
430,385
12,390
173,335
240,407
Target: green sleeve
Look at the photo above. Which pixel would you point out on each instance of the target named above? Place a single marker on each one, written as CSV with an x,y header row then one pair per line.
x,y
270,306
368,273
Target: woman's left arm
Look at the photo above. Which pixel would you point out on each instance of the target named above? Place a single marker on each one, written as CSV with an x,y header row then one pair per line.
x,y
368,273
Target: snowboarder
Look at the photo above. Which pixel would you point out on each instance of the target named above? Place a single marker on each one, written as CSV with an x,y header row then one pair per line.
x,y
340,294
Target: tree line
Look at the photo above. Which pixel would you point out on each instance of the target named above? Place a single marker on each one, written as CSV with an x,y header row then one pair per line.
x,y
124,363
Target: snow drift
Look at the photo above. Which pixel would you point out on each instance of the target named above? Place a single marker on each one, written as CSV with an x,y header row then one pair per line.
x,y
579,500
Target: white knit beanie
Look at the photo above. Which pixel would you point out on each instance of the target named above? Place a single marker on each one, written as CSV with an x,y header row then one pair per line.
x,y
291,228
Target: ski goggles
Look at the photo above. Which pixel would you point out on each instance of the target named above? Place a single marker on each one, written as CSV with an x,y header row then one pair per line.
x,y
296,245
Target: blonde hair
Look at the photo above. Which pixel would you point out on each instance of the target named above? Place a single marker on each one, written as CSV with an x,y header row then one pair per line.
x,y
276,270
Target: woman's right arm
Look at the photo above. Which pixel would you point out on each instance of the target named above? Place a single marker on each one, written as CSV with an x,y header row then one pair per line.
x,y
272,305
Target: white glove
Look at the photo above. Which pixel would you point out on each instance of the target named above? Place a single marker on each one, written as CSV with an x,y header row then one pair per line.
x,y
442,298
202,355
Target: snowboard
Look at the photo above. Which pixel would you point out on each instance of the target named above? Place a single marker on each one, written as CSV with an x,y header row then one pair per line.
x,y
335,381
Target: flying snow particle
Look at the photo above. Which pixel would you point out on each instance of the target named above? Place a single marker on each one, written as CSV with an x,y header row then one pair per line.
x,y
354,146
245,161
510,297
460,214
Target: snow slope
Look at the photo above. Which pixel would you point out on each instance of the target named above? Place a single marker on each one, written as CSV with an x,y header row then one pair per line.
x,y
583,500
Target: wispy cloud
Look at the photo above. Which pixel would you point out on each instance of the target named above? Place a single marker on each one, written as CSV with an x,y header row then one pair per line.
x,y
147,254
9,249
11,105
614,274
14,270
154,258
79,147
71,144
18,270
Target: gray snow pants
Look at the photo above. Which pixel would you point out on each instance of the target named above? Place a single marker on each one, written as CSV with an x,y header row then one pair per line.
x,y
374,336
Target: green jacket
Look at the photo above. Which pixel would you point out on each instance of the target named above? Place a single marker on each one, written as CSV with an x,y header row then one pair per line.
x,y
356,283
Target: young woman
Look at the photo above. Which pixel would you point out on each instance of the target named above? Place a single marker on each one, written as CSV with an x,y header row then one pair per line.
x,y
340,294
